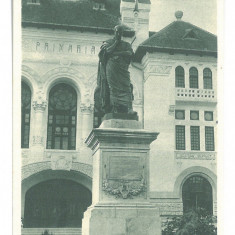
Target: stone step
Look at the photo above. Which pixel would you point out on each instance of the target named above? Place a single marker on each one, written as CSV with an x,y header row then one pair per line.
x,y
54,231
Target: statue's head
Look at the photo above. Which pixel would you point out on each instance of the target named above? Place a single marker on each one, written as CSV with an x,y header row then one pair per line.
x,y
118,31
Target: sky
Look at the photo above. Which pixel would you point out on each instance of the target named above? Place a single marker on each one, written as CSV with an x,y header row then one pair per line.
x,y
202,13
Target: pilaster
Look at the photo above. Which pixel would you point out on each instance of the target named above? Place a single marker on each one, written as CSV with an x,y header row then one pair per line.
x,y
87,119
38,138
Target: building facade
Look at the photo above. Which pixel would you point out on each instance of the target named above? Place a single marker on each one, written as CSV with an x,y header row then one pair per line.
x,y
174,76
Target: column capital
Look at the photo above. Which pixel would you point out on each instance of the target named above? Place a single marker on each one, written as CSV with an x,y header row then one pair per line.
x,y
39,105
38,140
87,108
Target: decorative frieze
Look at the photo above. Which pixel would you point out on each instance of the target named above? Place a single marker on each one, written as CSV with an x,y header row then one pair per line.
x,y
124,189
39,105
195,155
83,168
170,208
34,168
159,69
195,94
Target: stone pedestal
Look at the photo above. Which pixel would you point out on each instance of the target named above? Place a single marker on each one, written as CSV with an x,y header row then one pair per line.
x,y
120,190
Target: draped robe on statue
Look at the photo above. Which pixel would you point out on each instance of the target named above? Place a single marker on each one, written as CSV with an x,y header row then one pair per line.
x,y
114,78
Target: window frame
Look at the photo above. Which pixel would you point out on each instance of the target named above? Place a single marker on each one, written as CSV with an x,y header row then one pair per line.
x,y
180,110
24,111
196,111
63,115
193,78
195,138
212,138
179,142
179,78
205,83
205,112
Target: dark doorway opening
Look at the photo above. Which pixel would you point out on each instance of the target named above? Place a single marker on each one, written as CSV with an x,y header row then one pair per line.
x,y
56,204
197,193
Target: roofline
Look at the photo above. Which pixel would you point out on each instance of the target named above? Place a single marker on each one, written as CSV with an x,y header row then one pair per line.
x,y
139,2
141,51
167,26
126,33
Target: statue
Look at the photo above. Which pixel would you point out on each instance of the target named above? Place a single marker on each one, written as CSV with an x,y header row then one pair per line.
x,y
114,89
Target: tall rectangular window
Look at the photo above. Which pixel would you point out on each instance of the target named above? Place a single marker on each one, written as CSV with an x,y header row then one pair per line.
x,y
207,78
180,137
25,114
179,77
193,78
195,137
209,138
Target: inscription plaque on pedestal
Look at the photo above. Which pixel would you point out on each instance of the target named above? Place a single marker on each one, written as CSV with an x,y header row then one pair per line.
x,y
126,168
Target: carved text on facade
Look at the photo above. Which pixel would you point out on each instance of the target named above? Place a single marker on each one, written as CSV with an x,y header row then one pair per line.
x,y
63,47
169,208
196,155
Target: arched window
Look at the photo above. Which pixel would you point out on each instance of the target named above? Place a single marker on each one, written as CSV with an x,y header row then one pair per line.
x,y
179,77
193,78
207,79
25,114
197,193
62,113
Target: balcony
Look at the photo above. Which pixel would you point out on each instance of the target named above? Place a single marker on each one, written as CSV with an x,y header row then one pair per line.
x,y
198,95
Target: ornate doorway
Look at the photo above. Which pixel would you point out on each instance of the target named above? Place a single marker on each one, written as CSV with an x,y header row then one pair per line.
x,y
56,203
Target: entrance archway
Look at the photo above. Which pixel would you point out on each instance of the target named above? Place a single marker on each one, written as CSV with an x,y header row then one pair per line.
x,y
56,203
197,193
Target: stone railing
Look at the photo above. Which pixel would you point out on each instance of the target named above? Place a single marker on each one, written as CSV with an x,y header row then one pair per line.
x,y
186,94
195,155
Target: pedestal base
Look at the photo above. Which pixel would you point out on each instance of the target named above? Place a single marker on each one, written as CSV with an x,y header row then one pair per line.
x,y
120,220
121,116
120,187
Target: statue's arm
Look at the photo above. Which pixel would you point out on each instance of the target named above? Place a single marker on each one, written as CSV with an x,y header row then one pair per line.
x,y
111,48
123,53
126,51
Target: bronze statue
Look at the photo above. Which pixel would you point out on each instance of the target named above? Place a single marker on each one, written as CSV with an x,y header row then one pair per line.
x,y
114,89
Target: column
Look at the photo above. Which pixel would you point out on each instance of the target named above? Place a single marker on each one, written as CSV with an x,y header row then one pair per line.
x,y
37,147
87,119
